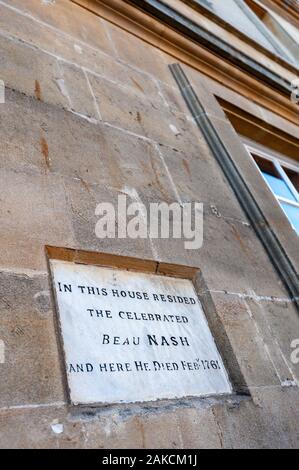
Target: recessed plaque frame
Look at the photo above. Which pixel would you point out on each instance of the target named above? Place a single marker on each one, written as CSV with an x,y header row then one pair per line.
x,y
132,330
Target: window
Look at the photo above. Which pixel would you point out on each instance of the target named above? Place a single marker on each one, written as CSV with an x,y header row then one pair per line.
x,y
284,33
260,23
283,179
238,15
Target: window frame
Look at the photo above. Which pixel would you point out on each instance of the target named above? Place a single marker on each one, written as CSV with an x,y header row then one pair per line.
x,y
278,45
279,164
278,48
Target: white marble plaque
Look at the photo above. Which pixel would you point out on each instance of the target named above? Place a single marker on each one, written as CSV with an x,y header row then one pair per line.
x,y
134,337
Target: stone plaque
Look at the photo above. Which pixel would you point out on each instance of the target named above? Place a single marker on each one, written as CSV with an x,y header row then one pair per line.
x,y
134,337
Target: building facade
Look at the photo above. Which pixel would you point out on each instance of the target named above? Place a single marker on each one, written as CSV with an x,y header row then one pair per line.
x,y
161,101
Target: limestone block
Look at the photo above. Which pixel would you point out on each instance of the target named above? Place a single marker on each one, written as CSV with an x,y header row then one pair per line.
x,y
31,72
68,19
31,372
138,53
34,208
247,342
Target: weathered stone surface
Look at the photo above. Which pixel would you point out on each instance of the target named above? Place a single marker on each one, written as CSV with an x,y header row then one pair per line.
x,y
31,368
34,427
48,140
77,88
54,427
140,82
144,172
215,309
30,71
156,436
40,37
139,54
155,428
207,100
278,323
248,345
26,30
280,407
34,207
196,176
191,422
245,427
253,260
123,108
26,254
94,154
117,72
83,200
112,431
231,257
67,18
173,98
166,249
269,422
21,146
229,425
116,108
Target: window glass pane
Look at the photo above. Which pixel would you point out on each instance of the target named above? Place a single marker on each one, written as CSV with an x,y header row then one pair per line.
x,y
278,186
285,34
292,213
294,177
231,12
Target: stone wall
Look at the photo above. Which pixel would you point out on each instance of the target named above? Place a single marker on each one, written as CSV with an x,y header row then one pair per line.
x,y
92,112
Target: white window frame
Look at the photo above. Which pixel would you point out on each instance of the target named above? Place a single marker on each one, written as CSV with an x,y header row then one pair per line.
x,y
278,163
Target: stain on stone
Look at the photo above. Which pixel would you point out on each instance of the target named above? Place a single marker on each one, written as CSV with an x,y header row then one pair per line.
x,y
84,183
38,91
140,427
45,151
240,239
138,116
137,84
186,166
219,433
157,179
